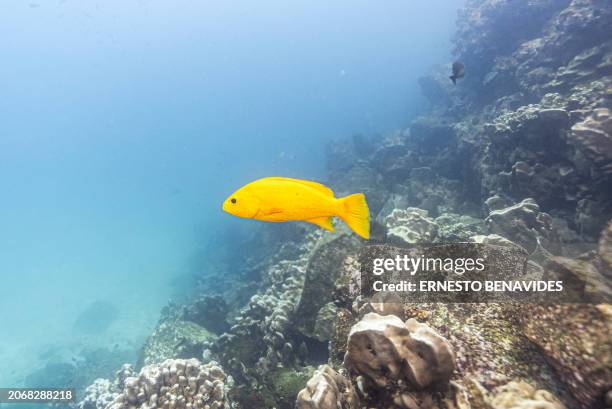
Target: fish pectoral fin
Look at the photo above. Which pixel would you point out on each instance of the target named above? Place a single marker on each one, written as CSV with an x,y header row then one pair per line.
x,y
325,222
272,211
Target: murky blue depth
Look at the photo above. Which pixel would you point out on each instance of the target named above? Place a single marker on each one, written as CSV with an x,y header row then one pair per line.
x,y
124,124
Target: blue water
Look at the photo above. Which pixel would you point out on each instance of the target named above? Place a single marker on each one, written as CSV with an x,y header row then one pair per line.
x,y
124,125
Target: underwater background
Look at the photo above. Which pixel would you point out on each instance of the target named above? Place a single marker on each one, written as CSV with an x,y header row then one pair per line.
x,y
124,125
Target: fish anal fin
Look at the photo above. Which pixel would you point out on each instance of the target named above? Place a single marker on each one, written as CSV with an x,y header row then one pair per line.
x,y
314,185
324,222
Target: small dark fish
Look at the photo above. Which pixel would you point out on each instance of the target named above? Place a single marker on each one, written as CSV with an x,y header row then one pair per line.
x,y
458,71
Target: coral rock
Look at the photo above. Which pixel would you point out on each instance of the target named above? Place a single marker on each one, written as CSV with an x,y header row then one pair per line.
x,y
103,392
98,395
410,226
324,268
524,396
174,383
594,137
575,340
385,350
605,246
524,224
327,389
413,400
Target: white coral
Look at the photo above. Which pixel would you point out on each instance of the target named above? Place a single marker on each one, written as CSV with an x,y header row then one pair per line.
x,y
175,383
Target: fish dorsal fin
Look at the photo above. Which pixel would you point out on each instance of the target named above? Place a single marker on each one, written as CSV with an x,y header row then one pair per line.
x,y
314,185
325,222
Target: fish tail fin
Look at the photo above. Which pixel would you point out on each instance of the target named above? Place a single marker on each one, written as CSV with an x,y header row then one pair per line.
x,y
355,213
454,79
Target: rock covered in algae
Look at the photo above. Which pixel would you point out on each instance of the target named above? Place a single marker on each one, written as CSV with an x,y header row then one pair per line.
x,y
488,343
411,225
594,137
456,227
175,338
581,279
605,246
325,266
524,224
521,395
575,340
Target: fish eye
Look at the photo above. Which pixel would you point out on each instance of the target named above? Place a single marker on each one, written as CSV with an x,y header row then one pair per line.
x,y
233,200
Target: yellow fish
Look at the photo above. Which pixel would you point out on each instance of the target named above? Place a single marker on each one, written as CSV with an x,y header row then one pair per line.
x,y
278,199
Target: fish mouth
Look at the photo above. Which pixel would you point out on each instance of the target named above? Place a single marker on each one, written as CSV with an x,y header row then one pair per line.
x,y
227,207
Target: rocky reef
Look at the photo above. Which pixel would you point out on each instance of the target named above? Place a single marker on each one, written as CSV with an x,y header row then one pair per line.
x,y
517,154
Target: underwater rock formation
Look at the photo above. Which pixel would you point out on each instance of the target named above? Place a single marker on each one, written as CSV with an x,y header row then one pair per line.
x,y
526,100
582,280
522,395
98,395
327,389
410,226
322,271
532,60
208,311
325,322
102,392
413,225
605,247
593,137
175,337
575,340
176,383
524,224
496,240
384,349
454,227
257,341
264,348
